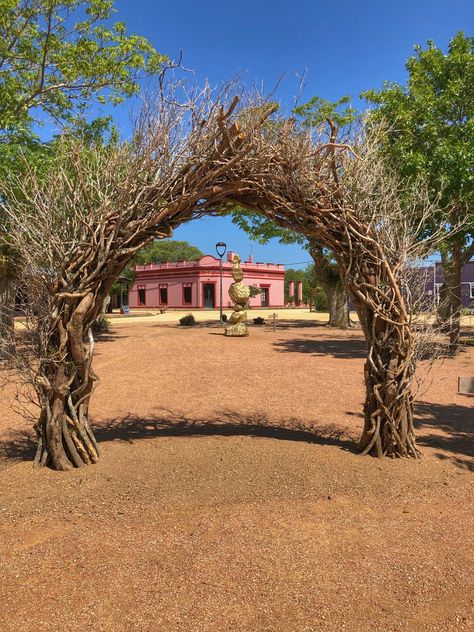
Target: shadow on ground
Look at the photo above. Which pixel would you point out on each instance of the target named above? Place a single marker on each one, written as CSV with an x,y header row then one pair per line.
x,y
453,430
290,324
20,445
452,426
227,423
343,348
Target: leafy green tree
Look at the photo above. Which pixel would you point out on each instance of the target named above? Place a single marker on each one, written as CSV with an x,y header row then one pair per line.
x,y
57,56
331,119
324,273
58,59
430,133
167,250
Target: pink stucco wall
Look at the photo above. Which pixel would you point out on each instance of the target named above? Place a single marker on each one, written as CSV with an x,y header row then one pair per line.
x,y
205,271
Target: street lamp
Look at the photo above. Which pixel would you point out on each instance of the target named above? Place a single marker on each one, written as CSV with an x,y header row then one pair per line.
x,y
220,249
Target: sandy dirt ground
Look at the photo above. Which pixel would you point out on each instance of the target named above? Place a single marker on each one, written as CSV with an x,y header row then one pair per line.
x,y
229,495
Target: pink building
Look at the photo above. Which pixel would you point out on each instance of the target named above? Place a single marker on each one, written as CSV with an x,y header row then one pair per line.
x,y
195,284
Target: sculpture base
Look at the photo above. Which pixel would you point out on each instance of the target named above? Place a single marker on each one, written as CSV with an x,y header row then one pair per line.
x,y
239,329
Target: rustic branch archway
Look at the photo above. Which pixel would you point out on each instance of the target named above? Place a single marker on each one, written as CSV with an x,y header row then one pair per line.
x,y
99,207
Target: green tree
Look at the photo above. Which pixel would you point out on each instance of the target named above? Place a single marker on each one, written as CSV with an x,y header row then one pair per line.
x,y
430,133
324,274
56,56
332,120
165,250
58,59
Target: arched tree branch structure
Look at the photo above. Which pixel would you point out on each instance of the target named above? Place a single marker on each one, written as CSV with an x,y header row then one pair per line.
x,y
77,231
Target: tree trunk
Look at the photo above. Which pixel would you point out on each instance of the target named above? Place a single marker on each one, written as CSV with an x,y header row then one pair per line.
x,y
65,385
390,365
450,303
338,303
388,409
327,275
7,307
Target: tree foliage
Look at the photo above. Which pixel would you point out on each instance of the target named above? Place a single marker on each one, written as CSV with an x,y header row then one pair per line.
x,y
166,250
56,57
430,128
60,60
317,111
330,121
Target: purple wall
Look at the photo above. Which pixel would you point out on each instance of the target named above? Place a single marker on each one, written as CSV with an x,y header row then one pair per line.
x,y
435,278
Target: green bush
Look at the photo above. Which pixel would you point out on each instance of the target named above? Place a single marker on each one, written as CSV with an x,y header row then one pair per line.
x,y
320,302
101,324
187,321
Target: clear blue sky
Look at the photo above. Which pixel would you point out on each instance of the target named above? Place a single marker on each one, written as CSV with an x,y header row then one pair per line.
x,y
346,46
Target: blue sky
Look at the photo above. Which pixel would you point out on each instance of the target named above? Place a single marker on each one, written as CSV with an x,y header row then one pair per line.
x,y
344,46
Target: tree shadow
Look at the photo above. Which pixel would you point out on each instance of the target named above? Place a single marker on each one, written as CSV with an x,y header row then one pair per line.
x,y
225,423
341,348
453,430
452,425
20,445
293,324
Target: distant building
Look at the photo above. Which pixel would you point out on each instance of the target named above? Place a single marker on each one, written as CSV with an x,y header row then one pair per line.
x,y
195,284
435,278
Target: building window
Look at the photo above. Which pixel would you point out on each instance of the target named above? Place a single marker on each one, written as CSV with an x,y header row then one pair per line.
x,y
265,296
471,290
187,294
142,295
164,294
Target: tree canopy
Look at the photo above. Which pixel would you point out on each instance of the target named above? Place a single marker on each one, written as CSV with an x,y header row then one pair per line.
x,y
58,58
165,250
430,131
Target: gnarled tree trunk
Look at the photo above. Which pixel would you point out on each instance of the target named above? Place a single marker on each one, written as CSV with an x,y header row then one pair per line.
x,y
327,276
7,307
390,366
65,385
450,304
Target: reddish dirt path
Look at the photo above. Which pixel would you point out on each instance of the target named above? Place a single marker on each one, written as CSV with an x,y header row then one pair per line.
x,y
229,497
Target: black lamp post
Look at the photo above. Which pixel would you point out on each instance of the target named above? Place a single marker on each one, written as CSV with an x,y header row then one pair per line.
x,y
220,249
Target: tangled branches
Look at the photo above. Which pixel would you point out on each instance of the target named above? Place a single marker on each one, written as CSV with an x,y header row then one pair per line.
x,y
76,229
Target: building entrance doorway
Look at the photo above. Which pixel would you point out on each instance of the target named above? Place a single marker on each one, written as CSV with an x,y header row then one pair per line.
x,y
209,292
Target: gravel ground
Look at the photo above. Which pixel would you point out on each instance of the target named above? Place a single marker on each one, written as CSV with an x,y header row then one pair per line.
x,y
229,496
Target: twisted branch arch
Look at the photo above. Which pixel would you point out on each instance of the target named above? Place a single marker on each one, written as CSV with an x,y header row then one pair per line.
x,y
98,208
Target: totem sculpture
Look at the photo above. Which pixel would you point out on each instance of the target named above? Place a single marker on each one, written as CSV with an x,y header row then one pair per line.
x,y
239,293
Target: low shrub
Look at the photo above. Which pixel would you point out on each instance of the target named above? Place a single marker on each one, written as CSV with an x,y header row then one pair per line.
x,y
320,302
101,324
187,321
259,321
